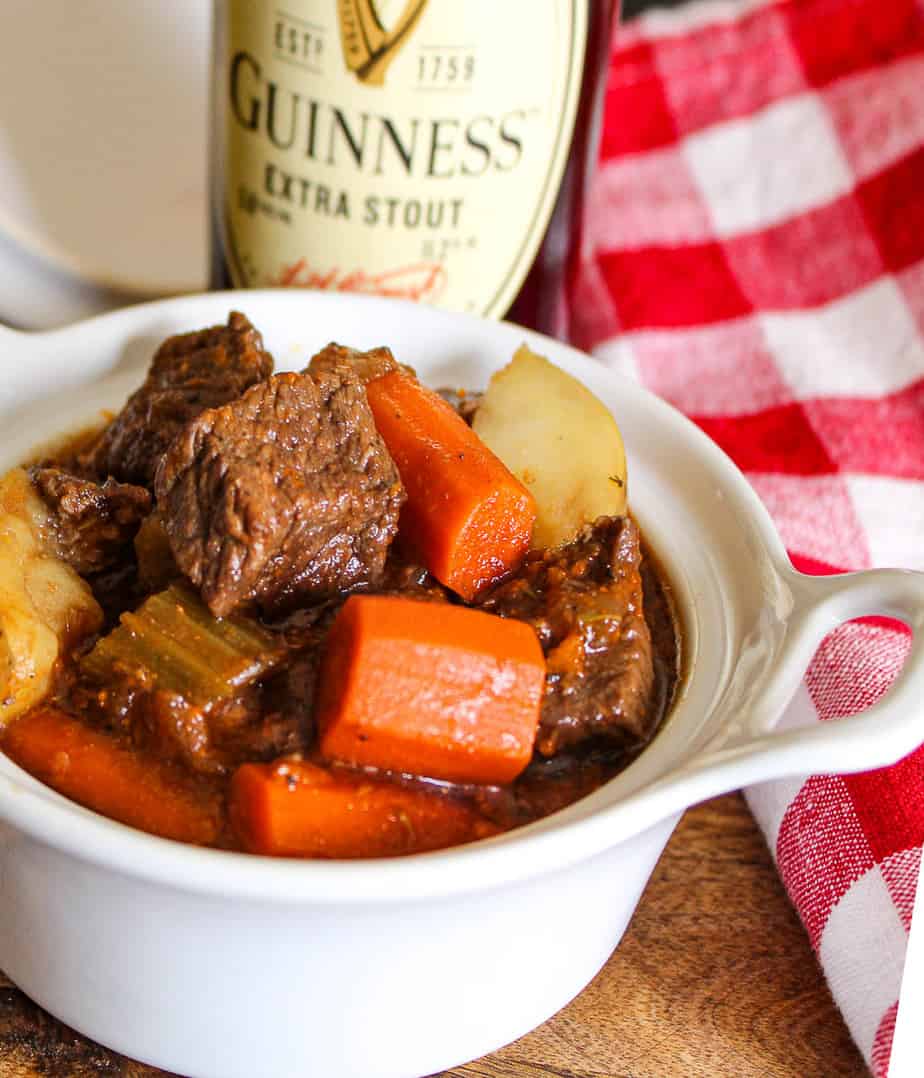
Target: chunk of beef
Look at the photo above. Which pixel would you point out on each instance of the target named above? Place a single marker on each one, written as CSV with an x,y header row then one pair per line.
x,y
209,740
283,496
290,699
216,739
189,373
92,523
367,366
585,602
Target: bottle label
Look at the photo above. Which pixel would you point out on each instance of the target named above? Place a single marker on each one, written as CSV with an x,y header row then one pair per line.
x,y
408,148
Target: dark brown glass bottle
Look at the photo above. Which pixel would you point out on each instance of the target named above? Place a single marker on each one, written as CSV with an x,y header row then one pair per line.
x,y
429,149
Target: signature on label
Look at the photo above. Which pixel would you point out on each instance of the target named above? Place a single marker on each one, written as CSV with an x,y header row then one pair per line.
x,y
422,281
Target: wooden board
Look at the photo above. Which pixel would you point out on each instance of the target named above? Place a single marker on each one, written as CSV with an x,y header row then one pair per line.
x,y
714,978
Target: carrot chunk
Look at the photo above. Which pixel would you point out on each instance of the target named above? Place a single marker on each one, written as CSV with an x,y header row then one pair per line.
x,y
431,689
467,517
93,769
301,810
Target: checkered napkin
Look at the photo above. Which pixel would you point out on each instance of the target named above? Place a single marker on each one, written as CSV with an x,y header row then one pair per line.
x,y
756,257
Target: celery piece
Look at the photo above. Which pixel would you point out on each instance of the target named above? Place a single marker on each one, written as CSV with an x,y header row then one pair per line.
x,y
172,642
190,620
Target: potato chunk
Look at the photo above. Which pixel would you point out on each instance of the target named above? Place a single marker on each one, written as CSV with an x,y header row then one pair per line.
x,y
559,440
45,607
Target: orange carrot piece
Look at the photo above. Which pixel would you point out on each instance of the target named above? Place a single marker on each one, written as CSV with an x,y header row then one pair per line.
x,y
93,769
467,517
431,689
290,809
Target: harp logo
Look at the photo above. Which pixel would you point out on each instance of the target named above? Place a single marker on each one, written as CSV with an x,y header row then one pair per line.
x,y
373,32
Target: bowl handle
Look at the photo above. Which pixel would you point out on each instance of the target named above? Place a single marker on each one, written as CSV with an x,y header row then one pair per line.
x,y
885,731
755,751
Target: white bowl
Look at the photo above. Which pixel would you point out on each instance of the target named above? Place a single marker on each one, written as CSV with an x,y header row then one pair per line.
x,y
213,963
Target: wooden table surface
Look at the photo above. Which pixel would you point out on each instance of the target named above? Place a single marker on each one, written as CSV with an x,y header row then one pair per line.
x,y
714,977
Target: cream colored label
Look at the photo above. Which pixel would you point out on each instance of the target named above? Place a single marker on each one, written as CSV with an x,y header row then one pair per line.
x,y
411,148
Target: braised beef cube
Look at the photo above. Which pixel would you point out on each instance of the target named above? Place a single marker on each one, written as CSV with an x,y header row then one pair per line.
x,y
585,601
92,523
264,734
189,373
367,366
284,496
169,726
216,739
290,700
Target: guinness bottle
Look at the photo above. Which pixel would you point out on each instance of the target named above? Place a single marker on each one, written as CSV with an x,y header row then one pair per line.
x,y
437,150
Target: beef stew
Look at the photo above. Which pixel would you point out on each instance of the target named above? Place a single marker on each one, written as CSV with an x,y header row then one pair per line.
x,y
299,615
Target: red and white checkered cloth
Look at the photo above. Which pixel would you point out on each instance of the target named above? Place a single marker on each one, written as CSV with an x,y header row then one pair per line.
x,y
756,257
